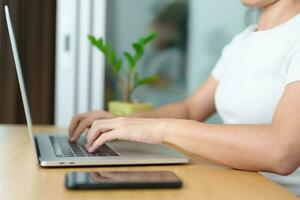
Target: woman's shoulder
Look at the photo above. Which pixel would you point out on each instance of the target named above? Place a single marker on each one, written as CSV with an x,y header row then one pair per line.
x,y
240,37
245,33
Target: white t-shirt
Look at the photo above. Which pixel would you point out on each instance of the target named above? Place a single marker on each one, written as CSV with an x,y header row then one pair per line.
x,y
253,72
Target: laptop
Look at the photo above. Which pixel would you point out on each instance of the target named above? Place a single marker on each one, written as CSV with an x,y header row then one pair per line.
x,y
55,150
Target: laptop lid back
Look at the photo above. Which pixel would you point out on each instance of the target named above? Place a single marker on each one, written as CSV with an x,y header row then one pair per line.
x,y
20,79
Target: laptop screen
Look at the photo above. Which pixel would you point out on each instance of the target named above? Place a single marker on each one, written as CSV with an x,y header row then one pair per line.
x,y
20,77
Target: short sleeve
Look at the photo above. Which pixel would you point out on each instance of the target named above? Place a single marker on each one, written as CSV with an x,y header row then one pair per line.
x,y
293,71
222,64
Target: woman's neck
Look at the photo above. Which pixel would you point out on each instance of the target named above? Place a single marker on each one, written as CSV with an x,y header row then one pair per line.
x,y
277,13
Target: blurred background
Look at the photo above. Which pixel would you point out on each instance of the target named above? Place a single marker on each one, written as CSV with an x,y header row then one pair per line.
x,y
64,75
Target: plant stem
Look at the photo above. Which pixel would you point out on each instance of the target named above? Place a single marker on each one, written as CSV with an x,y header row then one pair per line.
x,y
129,87
123,89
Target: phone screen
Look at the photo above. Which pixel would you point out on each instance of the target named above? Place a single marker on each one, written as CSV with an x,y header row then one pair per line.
x,y
122,179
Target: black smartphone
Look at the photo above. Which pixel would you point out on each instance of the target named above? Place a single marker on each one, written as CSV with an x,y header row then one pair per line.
x,y
122,180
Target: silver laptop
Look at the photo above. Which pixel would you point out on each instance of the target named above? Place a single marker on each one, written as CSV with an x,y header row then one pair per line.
x,y
55,150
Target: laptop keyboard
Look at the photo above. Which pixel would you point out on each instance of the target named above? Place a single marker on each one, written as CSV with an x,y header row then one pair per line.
x,y
63,148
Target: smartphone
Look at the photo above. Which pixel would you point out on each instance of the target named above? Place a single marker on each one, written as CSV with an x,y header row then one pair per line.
x,y
122,180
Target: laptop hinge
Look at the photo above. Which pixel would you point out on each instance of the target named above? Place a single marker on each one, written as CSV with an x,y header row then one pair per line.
x,y
37,148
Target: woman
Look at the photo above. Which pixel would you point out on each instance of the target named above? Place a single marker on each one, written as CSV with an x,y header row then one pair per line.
x,y
255,87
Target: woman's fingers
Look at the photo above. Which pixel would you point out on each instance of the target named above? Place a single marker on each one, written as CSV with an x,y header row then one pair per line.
x,y
91,137
75,121
84,124
104,137
82,121
99,127
102,131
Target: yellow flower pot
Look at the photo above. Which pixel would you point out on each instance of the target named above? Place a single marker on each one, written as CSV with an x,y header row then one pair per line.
x,y
124,108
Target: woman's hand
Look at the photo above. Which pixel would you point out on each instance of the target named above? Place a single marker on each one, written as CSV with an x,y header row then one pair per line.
x,y
121,128
84,121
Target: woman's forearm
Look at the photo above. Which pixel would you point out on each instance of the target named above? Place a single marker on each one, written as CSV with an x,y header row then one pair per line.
x,y
199,106
247,147
176,110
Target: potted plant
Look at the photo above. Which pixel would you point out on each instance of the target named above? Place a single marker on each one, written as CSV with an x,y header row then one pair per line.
x,y
126,73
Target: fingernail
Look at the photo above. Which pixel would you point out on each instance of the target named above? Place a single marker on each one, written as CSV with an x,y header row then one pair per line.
x,y
90,149
72,139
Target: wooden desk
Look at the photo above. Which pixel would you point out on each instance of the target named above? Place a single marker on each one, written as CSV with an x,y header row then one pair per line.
x,y
21,178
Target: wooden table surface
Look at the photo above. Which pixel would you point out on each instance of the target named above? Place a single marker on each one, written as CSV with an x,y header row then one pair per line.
x,y
21,178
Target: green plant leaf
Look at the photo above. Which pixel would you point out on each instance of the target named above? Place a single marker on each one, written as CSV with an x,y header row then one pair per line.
x,y
110,54
92,39
139,49
99,43
150,37
141,41
112,57
129,59
139,46
148,80
102,46
118,65
106,48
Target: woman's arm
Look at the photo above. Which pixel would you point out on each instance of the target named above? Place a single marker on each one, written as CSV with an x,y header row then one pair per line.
x,y
272,147
198,106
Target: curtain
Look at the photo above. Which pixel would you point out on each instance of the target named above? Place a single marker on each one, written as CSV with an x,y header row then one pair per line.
x,y
34,26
